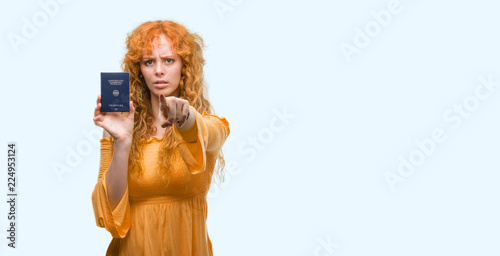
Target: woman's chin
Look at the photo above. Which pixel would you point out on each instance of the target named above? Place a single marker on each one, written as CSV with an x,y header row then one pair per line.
x,y
165,92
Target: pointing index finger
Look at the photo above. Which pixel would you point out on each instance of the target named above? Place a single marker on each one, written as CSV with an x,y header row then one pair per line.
x,y
163,102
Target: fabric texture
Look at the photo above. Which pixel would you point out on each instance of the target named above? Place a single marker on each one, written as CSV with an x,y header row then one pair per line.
x,y
164,217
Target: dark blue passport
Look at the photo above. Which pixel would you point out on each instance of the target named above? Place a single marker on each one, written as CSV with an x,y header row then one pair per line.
x,y
115,92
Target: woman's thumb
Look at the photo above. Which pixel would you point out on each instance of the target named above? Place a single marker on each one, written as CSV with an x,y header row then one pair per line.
x,y
132,108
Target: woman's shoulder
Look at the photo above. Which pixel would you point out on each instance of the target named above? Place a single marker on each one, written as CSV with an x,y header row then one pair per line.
x,y
148,140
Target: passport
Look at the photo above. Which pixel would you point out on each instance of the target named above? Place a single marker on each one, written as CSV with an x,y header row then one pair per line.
x,y
115,92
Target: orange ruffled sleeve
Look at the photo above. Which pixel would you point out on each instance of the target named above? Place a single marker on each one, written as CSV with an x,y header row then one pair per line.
x,y
117,222
207,136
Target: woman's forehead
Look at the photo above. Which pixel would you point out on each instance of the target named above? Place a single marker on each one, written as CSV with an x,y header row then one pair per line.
x,y
159,43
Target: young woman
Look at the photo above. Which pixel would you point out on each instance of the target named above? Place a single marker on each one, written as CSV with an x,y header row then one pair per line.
x,y
157,160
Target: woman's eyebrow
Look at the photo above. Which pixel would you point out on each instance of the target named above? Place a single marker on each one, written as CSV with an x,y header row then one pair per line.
x,y
163,56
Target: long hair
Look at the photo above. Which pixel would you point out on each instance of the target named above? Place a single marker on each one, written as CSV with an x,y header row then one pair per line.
x,y
192,88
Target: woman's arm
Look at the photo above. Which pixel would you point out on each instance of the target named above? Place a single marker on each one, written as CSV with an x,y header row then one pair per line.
x,y
206,137
189,122
116,176
110,196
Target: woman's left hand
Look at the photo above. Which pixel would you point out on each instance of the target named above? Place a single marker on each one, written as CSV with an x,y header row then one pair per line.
x,y
172,110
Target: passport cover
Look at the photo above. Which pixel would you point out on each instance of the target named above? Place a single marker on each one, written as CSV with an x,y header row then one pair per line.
x,y
115,92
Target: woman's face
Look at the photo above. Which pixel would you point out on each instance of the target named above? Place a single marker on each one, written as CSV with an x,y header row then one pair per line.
x,y
162,69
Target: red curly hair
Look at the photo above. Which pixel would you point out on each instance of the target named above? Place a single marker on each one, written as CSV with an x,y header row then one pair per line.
x,y
192,87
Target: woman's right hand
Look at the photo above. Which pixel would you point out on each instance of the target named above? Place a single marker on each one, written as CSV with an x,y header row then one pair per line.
x,y
120,127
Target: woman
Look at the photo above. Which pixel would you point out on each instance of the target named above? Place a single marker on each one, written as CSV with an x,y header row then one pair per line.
x,y
157,160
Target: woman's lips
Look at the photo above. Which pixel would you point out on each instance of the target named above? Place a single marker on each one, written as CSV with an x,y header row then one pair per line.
x,y
160,85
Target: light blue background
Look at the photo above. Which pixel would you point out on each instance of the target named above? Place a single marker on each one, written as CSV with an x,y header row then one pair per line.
x,y
322,176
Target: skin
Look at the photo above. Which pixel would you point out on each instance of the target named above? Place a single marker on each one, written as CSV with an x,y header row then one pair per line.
x,y
167,108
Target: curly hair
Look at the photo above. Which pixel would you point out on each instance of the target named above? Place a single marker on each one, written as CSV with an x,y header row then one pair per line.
x,y
192,88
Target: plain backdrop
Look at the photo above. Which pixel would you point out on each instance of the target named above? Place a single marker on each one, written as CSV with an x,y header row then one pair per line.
x,y
325,100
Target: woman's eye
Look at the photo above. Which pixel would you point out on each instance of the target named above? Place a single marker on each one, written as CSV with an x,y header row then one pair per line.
x,y
148,62
169,60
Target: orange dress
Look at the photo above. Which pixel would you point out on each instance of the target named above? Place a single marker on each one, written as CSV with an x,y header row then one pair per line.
x,y
157,217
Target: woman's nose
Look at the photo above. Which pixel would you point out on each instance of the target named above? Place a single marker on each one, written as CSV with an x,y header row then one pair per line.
x,y
159,70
